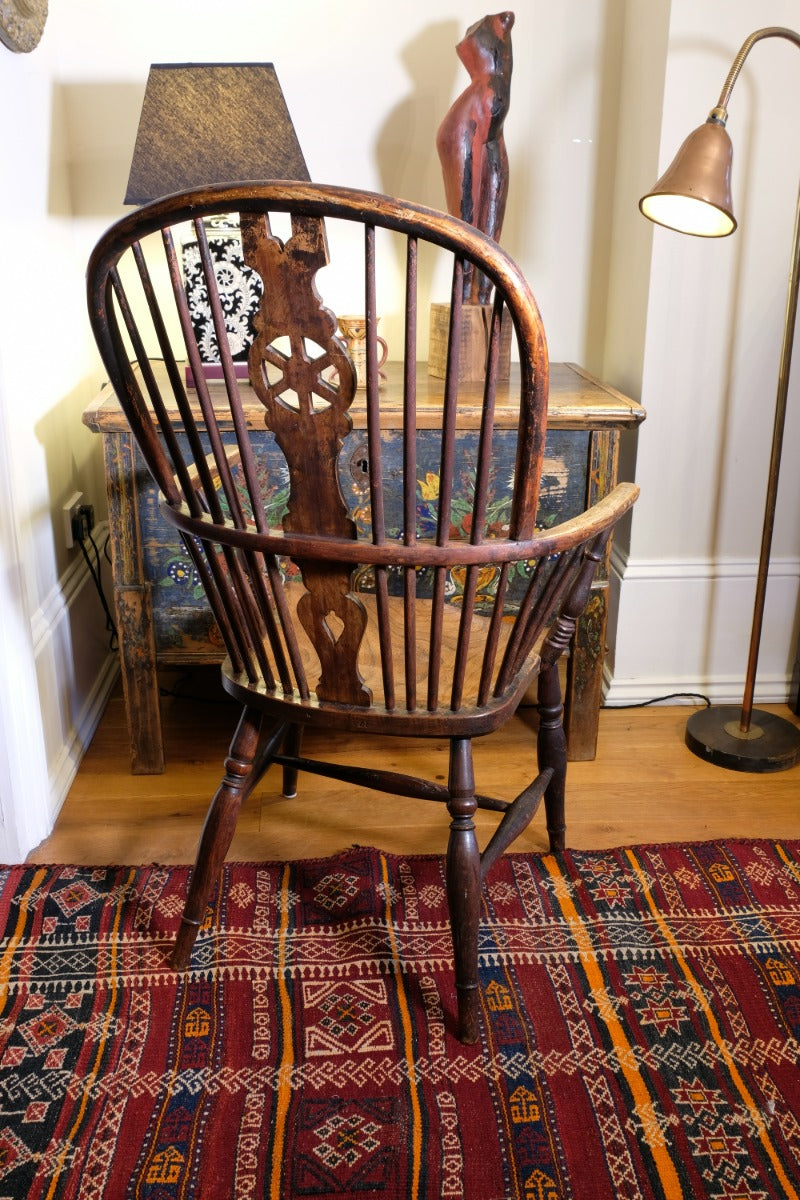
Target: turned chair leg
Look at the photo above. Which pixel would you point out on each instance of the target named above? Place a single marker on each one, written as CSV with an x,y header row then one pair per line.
x,y
292,745
552,752
463,870
552,743
218,832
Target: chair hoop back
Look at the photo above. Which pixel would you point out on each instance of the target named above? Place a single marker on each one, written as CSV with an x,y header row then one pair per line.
x,y
413,597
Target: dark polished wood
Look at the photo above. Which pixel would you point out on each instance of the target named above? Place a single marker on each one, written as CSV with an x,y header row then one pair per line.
x,y
237,782
331,620
580,410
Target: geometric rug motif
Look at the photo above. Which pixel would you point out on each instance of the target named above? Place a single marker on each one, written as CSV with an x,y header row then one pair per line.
x,y
640,1031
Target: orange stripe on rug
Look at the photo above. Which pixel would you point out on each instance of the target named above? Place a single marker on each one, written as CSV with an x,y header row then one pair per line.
x,y
284,1091
791,866
622,1047
714,1029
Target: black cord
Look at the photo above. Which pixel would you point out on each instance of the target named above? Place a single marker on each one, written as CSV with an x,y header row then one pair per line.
x,y
661,699
96,574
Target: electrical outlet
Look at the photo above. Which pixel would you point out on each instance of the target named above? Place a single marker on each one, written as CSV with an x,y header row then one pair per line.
x,y
71,511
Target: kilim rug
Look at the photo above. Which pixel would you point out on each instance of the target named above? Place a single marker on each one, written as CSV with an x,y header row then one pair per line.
x,y
641,1013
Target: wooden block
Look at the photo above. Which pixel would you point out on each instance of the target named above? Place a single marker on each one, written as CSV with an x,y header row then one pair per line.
x,y
475,322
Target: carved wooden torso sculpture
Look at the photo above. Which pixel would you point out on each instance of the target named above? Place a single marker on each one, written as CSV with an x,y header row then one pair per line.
x,y
470,139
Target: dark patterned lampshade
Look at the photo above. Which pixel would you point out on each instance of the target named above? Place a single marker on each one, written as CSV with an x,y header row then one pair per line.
x,y
212,123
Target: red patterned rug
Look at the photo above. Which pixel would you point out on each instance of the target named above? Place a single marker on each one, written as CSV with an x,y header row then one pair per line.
x,y
641,1022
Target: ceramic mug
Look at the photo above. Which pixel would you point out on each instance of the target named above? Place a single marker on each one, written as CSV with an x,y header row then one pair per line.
x,y
353,332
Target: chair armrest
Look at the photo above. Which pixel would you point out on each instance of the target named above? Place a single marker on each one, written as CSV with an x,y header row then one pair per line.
x,y
587,525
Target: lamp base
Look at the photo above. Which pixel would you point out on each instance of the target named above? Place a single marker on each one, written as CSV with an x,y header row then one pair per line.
x,y
771,743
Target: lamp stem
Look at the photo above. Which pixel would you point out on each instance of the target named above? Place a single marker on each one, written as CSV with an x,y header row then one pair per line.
x,y
770,31
774,471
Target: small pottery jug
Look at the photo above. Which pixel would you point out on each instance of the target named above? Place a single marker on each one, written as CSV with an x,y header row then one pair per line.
x,y
353,332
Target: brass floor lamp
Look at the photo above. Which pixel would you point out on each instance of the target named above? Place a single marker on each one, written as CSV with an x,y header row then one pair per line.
x,y
693,196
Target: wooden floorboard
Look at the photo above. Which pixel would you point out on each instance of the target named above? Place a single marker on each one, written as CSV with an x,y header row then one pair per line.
x,y
643,786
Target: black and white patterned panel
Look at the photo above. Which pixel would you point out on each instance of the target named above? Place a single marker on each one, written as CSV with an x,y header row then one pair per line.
x,y
240,290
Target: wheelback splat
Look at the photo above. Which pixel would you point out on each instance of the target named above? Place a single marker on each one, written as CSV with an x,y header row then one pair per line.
x,y
308,414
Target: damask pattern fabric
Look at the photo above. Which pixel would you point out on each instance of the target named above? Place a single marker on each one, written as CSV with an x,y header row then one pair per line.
x,y
239,287
640,1033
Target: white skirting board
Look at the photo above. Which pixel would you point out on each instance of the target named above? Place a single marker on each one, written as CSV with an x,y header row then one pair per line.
x,y
75,670
684,626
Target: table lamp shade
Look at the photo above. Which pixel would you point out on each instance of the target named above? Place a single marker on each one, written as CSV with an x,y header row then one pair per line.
x,y
212,123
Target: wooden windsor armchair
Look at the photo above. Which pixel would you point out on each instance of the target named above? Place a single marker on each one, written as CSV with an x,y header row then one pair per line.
x,y
394,618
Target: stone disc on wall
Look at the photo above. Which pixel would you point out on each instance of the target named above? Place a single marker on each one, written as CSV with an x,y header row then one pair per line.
x,y
22,23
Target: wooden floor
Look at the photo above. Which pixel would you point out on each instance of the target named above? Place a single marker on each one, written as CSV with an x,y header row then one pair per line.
x,y
644,786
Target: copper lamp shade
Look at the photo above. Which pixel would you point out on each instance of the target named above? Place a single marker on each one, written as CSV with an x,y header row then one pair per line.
x,y
694,193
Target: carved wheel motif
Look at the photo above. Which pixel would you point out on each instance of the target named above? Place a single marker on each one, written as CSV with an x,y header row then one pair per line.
x,y
22,23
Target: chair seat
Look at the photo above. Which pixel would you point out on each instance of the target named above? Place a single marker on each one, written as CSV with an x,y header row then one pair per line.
x,y
400,718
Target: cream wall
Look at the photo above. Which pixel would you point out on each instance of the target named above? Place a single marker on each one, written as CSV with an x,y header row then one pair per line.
x,y
55,669
709,359
367,89
367,86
